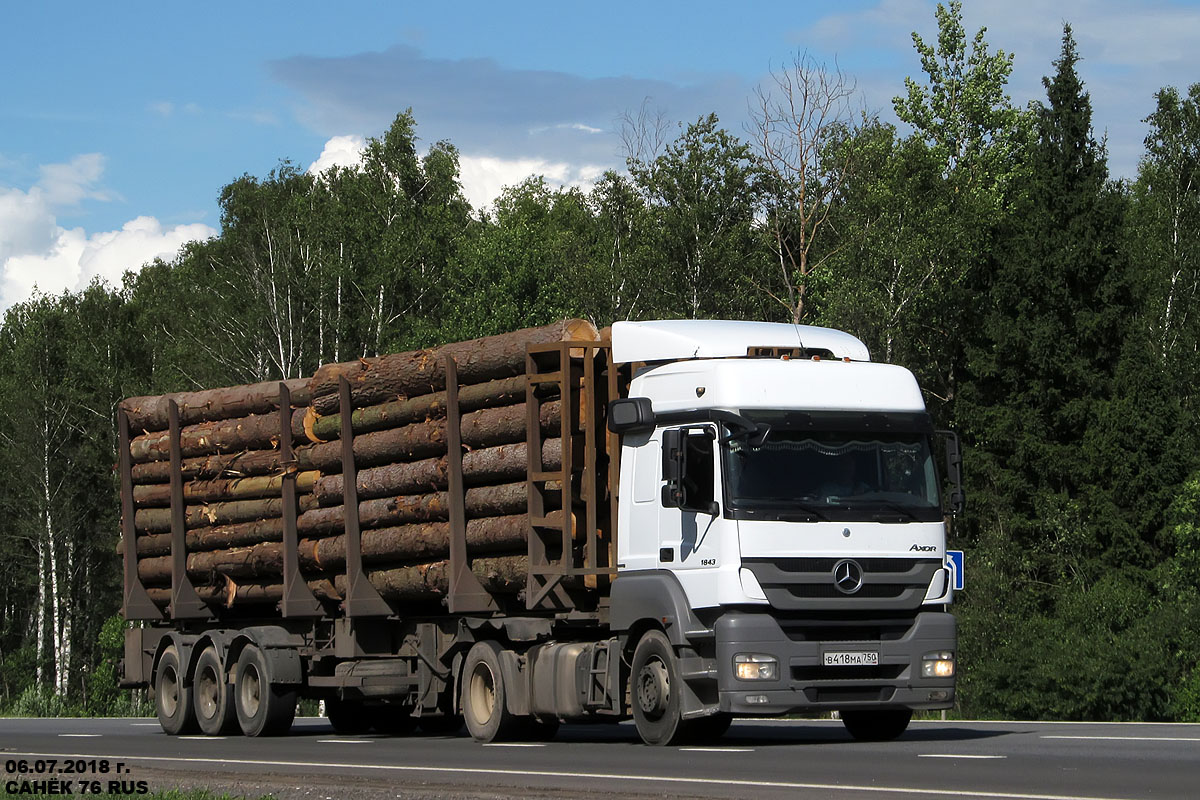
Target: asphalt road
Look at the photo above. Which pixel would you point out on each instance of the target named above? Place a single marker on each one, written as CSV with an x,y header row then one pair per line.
x,y
756,759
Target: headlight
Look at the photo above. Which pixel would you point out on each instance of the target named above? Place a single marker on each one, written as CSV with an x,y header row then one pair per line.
x,y
755,667
937,665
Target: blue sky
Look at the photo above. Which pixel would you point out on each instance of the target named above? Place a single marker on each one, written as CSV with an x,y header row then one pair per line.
x,y
120,122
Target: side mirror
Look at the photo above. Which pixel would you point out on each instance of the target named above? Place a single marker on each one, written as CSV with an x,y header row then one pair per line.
x,y
674,465
954,471
631,415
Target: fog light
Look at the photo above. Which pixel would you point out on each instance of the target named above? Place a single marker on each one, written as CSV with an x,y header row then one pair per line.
x,y
940,694
938,665
756,699
755,667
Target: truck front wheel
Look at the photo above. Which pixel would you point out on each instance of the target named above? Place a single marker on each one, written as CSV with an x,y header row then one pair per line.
x,y
262,709
876,726
655,689
172,698
484,695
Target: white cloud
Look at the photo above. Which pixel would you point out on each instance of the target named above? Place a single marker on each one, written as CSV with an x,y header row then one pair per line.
x,y
484,177
340,151
35,251
1128,51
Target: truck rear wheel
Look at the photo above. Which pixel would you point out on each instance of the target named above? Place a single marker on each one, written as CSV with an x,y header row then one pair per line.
x,y
262,709
654,690
878,725
172,698
484,695
211,696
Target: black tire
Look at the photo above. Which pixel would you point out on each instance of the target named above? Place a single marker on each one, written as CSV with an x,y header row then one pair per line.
x,y
654,690
392,720
262,709
878,725
211,697
172,696
484,695
441,725
348,717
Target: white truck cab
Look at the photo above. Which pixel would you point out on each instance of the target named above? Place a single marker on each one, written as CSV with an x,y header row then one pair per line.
x,y
780,504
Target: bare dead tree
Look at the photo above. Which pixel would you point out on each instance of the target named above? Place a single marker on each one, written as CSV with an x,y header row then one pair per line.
x,y
644,133
797,120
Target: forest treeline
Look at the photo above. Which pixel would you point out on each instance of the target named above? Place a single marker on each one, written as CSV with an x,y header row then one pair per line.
x,y
1050,312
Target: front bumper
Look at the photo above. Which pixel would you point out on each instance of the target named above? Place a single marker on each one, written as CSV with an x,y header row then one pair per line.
x,y
804,684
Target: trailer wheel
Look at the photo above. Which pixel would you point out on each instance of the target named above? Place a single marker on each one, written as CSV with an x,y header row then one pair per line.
x,y
654,690
348,717
262,709
876,726
211,697
172,698
484,694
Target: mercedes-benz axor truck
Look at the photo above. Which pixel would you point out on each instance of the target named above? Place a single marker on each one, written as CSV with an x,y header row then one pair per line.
x,y
684,522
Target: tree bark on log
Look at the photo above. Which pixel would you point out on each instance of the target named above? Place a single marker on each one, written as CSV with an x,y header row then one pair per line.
x,y
158,520
418,372
505,391
262,486
232,465
480,501
507,462
150,413
233,593
485,428
404,544
501,575
216,538
257,431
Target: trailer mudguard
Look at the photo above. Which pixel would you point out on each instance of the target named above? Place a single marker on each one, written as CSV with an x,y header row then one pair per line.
x,y
281,648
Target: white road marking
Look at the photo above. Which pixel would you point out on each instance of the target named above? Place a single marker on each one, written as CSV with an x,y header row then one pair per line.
x,y
738,784
345,741
80,735
1130,738
144,724
203,738
717,749
954,755
513,744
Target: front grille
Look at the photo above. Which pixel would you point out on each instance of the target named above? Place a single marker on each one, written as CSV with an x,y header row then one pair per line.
x,y
827,564
829,590
806,584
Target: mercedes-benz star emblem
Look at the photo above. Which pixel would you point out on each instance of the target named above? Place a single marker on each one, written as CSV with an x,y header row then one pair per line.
x,y
847,576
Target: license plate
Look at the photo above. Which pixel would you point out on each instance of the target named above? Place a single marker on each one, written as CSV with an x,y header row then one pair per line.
x,y
857,659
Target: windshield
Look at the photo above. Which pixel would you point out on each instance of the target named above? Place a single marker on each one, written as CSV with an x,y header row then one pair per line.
x,y
833,475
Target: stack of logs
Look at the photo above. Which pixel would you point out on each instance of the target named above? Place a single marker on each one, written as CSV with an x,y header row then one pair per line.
x,y
232,474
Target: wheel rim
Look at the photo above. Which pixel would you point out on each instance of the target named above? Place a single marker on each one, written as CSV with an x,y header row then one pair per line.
x,y
653,688
250,691
168,693
207,692
482,692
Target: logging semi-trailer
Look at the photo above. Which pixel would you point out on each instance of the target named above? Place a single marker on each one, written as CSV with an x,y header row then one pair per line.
x,y
680,522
